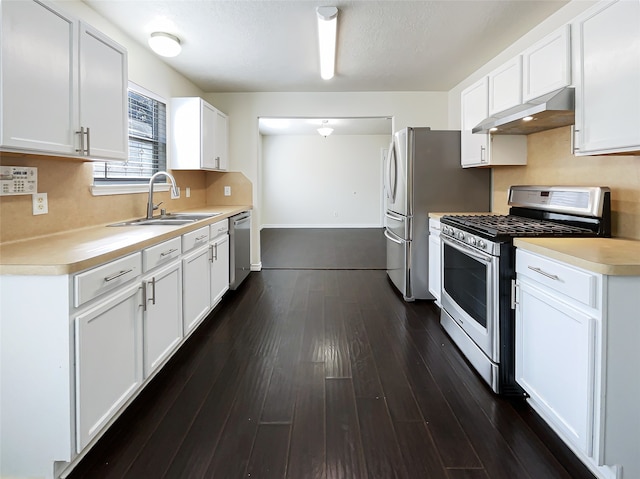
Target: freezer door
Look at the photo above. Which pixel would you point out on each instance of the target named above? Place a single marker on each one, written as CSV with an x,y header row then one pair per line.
x,y
398,225
397,173
398,255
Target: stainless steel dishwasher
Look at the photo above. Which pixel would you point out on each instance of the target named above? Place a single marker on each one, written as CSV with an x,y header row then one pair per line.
x,y
240,248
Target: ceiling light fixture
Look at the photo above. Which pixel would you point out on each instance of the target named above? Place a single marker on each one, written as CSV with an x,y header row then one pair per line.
x,y
165,44
327,29
325,130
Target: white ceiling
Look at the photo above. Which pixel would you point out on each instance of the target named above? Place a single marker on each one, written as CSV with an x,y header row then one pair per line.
x,y
271,45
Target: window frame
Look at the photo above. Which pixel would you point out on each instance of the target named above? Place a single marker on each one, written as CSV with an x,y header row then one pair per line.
x,y
101,187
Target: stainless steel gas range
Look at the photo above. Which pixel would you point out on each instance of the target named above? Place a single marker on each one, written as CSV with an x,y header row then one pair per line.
x,y
478,268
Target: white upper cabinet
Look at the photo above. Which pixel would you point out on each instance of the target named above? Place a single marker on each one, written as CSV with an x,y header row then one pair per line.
x,y
103,94
546,66
199,135
63,85
505,86
475,108
481,149
607,78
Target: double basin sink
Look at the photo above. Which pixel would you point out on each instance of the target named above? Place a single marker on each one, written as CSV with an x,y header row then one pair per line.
x,y
171,219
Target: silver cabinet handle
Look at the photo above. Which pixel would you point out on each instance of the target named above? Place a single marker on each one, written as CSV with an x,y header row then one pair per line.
x,y
482,154
153,290
81,133
88,151
215,248
544,273
144,296
211,253
167,253
200,238
117,275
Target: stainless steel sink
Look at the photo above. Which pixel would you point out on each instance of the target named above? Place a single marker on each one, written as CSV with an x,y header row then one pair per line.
x,y
168,219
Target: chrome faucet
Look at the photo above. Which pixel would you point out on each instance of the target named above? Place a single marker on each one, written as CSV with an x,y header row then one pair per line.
x,y
174,189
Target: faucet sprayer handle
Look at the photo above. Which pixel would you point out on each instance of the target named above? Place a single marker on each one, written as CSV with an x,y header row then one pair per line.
x,y
155,207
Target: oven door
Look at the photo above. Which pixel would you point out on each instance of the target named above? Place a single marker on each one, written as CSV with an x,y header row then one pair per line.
x,y
470,293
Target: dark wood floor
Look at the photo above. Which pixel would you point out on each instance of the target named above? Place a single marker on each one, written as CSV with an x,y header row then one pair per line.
x,y
324,374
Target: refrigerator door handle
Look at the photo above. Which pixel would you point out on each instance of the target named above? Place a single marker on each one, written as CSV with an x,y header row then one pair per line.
x,y
392,185
389,236
394,216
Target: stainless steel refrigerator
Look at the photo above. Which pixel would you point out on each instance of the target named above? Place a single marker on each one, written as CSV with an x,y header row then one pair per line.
x,y
423,175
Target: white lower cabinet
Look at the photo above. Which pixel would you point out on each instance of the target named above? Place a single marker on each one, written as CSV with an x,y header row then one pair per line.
x,y
108,359
554,361
219,268
435,275
196,281
162,325
577,335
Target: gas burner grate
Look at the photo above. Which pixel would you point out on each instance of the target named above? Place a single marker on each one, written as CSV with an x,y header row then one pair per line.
x,y
510,225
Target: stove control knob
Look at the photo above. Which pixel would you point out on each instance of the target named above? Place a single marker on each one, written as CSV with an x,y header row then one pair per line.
x,y
445,229
482,244
460,235
472,241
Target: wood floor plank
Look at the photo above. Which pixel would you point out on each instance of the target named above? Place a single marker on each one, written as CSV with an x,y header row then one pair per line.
x,y
419,451
313,342
269,454
337,360
231,456
345,459
380,446
307,451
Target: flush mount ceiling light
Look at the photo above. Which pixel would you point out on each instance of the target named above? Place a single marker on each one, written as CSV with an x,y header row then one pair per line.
x,y
327,29
325,130
165,44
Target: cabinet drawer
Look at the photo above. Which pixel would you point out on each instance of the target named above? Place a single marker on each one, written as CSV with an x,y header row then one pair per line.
x,y
219,228
96,281
572,282
161,253
195,238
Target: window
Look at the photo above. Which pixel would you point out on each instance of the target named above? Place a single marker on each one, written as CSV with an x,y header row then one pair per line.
x,y
147,142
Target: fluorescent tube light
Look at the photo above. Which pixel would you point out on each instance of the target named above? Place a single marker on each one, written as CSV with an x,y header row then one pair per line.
x,y
327,29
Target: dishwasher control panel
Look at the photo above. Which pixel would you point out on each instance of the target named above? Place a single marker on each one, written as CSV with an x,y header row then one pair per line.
x,y
18,180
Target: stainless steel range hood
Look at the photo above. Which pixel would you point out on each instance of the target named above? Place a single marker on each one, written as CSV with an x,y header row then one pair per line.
x,y
549,111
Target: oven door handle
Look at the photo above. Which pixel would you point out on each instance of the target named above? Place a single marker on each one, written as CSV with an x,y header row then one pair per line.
x,y
484,257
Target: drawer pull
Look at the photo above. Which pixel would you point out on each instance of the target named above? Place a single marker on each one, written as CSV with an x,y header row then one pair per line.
x,y
167,253
117,275
544,273
200,238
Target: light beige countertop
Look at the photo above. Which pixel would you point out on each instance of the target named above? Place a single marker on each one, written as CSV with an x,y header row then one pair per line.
x,y
76,250
611,256
437,215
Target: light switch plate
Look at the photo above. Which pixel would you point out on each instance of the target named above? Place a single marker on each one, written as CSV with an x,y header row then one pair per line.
x,y
40,204
227,191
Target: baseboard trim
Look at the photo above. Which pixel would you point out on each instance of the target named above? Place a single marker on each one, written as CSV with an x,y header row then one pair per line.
x,y
256,266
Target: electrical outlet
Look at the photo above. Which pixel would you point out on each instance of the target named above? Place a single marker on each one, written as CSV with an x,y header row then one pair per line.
x,y
175,197
187,192
40,204
227,191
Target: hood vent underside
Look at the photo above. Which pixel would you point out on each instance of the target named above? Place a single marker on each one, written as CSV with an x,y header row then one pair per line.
x,y
549,111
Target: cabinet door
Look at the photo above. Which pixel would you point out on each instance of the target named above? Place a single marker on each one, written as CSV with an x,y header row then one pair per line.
x,y
108,344
222,141
474,102
219,268
163,315
608,79
546,66
505,86
555,362
434,267
39,110
196,288
103,95
208,133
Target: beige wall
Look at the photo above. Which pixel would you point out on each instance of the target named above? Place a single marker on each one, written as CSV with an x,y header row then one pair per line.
x,y
550,162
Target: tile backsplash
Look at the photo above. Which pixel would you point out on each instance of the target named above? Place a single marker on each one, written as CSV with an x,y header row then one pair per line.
x,y
550,162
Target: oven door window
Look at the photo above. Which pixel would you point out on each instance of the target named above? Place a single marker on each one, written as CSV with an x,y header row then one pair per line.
x,y
465,281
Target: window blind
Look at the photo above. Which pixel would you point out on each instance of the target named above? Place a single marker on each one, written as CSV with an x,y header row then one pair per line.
x,y
147,143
